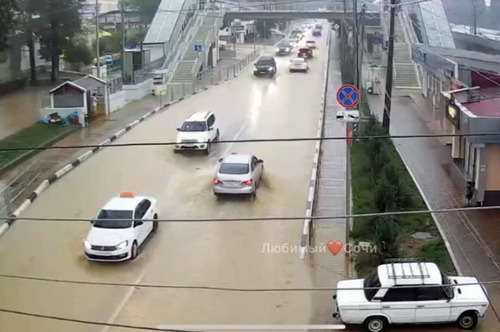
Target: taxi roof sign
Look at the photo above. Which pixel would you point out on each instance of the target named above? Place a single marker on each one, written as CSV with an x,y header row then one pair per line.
x,y
126,194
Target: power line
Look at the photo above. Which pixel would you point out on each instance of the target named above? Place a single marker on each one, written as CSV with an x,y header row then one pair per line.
x,y
179,220
257,140
89,322
224,289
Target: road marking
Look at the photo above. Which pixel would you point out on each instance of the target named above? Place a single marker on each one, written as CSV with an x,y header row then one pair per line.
x,y
123,302
238,134
252,327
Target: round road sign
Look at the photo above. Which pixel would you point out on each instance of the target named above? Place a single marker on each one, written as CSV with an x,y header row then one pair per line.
x,y
348,96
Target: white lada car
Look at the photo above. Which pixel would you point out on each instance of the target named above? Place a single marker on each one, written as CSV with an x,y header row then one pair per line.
x,y
401,293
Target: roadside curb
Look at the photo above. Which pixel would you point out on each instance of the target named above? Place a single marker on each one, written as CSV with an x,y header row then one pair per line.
x,y
76,162
306,230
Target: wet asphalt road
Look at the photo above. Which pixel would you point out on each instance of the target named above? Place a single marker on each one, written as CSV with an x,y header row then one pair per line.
x,y
199,254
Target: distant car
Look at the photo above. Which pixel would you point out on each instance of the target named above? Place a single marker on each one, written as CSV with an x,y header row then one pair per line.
x,y
266,65
197,132
311,44
114,235
318,26
284,48
238,174
316,33
305,53
299,64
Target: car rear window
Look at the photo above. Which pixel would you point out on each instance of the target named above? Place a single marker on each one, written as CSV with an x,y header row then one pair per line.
x,y
304,50
299,60
234,168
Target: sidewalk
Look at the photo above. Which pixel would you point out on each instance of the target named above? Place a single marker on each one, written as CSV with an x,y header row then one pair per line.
x,y
331,194
474,236
49,161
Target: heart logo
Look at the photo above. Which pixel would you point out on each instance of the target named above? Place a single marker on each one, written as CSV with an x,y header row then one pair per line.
x,y
334,247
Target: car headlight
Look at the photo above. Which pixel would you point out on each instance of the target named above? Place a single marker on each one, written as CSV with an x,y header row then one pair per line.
x,y
270,69
122,245
288,49
87,245
277,50
202,140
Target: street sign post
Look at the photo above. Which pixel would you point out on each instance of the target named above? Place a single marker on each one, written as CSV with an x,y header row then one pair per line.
x,y
348,96
197,48
348,116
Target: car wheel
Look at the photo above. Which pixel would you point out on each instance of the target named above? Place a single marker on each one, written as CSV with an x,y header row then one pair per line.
x,y
208,149
467,320
176,151
375,324
133,251
155,223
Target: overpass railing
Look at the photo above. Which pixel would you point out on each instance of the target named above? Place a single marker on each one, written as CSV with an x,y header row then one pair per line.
x,y
209,77
283,6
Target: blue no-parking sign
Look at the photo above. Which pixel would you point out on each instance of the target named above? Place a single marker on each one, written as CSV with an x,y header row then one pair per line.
x,y
348,96
197,48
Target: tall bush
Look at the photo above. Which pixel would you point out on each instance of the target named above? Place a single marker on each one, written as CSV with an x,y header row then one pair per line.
x,y
387,237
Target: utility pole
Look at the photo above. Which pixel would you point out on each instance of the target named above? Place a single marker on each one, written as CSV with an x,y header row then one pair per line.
x,y
98,62
355,37
344,31
122,15
390,62
474,4
362,45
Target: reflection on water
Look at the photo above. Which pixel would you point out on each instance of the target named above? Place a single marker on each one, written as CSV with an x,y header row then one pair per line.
x,y
21,109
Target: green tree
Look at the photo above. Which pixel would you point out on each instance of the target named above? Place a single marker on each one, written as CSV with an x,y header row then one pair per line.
x,y
108,44
385,196
78,53
393,175
8,20
60,22
146,8
387,237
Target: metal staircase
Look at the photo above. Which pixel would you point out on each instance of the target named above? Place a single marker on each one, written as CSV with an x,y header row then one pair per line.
x,y
192,61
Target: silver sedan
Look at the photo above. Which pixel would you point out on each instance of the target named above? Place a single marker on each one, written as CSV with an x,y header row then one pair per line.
x,y
238,174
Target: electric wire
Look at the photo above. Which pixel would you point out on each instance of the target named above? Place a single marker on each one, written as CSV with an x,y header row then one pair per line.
x,y
90,322
277,218
257,140
232,289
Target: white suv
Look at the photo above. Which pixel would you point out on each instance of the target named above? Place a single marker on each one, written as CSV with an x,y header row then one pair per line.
x,y
399,293
197,133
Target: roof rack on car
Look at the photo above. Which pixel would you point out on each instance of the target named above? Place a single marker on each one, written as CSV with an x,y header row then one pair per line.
x,y
421,273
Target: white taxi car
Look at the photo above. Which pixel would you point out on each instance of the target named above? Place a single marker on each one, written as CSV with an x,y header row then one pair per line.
x,y
399,292
298,64
121,227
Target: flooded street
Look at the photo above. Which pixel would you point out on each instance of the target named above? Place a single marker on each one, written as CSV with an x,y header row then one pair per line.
x,y
225,254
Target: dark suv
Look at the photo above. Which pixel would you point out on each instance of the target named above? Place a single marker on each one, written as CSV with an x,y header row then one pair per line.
x,y
284,48
266,65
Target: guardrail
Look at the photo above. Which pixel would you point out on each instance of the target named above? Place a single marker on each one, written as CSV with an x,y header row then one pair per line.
x,y
209,77
309,5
